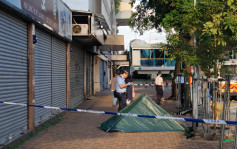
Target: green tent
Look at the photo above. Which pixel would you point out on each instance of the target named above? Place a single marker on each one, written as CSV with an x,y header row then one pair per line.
x,y
142,105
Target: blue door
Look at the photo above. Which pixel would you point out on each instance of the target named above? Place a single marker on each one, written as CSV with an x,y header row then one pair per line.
x,y
101,75
105,75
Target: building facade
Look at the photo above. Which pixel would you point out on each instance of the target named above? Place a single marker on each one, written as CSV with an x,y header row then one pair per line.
x,y
46,61
35,41
149,58
98,18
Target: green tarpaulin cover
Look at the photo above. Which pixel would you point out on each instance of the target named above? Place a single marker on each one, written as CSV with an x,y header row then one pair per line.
x,y
142,105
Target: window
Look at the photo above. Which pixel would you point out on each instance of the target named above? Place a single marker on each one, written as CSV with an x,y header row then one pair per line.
x,y
157,53
145,53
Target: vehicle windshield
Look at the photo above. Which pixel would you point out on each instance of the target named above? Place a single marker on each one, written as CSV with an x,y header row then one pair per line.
x,y
233,77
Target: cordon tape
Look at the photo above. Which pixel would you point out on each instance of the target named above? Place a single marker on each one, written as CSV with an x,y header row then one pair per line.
x,y
148,85
208,121
144,84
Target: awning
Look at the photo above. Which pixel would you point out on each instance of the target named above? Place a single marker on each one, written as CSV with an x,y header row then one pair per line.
x,y
125,63
119,57
114,43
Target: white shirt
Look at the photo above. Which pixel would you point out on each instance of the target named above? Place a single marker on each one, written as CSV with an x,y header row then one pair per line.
x,y
179,79
158,80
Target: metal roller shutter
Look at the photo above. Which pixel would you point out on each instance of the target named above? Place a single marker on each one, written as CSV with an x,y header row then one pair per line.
x,y
91,75
43,76
76,76
13,77
58,73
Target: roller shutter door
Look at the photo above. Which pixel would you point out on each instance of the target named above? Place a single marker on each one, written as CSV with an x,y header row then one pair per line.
x,y
76,76
58,73
43,76
13,77
91,75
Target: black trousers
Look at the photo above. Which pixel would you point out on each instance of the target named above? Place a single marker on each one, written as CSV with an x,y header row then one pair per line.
x,y
122,97
159,93
182,94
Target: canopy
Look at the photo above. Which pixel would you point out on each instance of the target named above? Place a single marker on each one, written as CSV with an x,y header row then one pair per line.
x,y
142,105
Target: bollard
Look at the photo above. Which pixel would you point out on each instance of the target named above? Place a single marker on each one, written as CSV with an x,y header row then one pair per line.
x,y
216,106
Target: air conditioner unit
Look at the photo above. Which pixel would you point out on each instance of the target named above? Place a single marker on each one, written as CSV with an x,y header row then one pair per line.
x,y
80,29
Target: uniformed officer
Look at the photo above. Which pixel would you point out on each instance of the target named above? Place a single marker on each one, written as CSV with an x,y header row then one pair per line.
x,y
180,79
159,87
121,89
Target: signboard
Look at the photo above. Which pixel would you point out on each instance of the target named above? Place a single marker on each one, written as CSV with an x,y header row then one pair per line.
x,y
53,14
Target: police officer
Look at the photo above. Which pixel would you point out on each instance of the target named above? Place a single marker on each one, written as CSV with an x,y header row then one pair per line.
x,y
159,87
180,79
121,89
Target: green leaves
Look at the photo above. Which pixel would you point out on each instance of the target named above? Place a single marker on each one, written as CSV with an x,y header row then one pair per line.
x,y
229,2
213,21
179,49
209,24
117,6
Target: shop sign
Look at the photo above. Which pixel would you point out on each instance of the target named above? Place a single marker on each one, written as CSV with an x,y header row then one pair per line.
x,y
53,14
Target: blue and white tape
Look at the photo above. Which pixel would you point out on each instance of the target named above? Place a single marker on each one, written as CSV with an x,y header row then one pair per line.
x,y
144,84
147,85
128,114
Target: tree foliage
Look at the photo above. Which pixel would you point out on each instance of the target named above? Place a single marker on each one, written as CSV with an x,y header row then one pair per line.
x,y
117,6
213,21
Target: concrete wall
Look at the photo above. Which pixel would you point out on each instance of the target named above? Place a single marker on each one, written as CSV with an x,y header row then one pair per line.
x,y
91,5
78,4
96,74
124,13
105,11
97,6
136,55
113,19
118,57
108,11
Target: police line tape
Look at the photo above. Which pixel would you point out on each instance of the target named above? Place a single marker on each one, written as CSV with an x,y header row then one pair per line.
x,y
148,85
144,84
208,121
134,84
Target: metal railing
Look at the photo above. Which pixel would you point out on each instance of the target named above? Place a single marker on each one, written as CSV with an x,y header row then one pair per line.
x,y
157,62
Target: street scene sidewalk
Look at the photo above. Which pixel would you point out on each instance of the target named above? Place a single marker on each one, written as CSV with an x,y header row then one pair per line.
x,y
79,130
60,54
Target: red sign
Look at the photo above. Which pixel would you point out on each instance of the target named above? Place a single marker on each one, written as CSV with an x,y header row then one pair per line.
x,y
45,11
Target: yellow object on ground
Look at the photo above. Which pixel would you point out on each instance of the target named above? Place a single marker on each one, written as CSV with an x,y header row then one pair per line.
x,y
218,109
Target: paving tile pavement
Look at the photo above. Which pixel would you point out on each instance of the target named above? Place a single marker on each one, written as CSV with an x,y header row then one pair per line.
x,y
79,130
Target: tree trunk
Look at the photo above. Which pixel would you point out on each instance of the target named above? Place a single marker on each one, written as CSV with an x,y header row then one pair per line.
x,y
176,72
